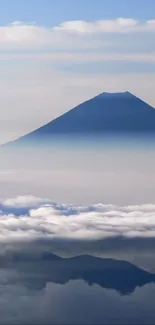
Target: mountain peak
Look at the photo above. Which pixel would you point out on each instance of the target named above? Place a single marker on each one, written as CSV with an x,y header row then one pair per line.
x,y
116,94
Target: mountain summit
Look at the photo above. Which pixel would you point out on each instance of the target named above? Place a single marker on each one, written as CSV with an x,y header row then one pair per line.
x,y
105,113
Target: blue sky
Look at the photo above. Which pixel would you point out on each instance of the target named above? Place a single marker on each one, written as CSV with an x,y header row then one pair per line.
x,y
55,54
52,12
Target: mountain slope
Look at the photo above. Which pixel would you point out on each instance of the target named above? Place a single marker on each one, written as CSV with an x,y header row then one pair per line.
x,y
105,113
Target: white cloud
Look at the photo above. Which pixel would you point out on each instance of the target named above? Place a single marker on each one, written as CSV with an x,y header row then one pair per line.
x,y
24,201
62,221
119,25
19,33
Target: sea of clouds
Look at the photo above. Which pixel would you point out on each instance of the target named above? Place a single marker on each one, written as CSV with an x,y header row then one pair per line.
x,y
31,218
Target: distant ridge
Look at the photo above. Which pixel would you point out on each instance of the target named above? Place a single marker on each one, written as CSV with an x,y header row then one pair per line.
x,y
106,113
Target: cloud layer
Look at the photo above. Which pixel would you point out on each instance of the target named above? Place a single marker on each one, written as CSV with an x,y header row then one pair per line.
x,y
20,33
30,218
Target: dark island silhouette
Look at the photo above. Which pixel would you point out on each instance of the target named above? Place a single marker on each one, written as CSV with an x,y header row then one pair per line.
x,y
108,273
107,113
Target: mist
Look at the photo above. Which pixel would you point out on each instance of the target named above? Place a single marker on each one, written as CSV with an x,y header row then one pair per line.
x,y
109,172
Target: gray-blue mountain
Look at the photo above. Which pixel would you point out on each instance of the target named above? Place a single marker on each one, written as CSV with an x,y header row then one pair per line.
x,y
106,113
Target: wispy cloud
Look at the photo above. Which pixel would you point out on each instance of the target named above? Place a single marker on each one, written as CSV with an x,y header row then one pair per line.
x,y
119,25
79,41
82,57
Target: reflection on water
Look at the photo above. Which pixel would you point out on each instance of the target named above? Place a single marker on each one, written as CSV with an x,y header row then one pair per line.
x,y
78,290
121,276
